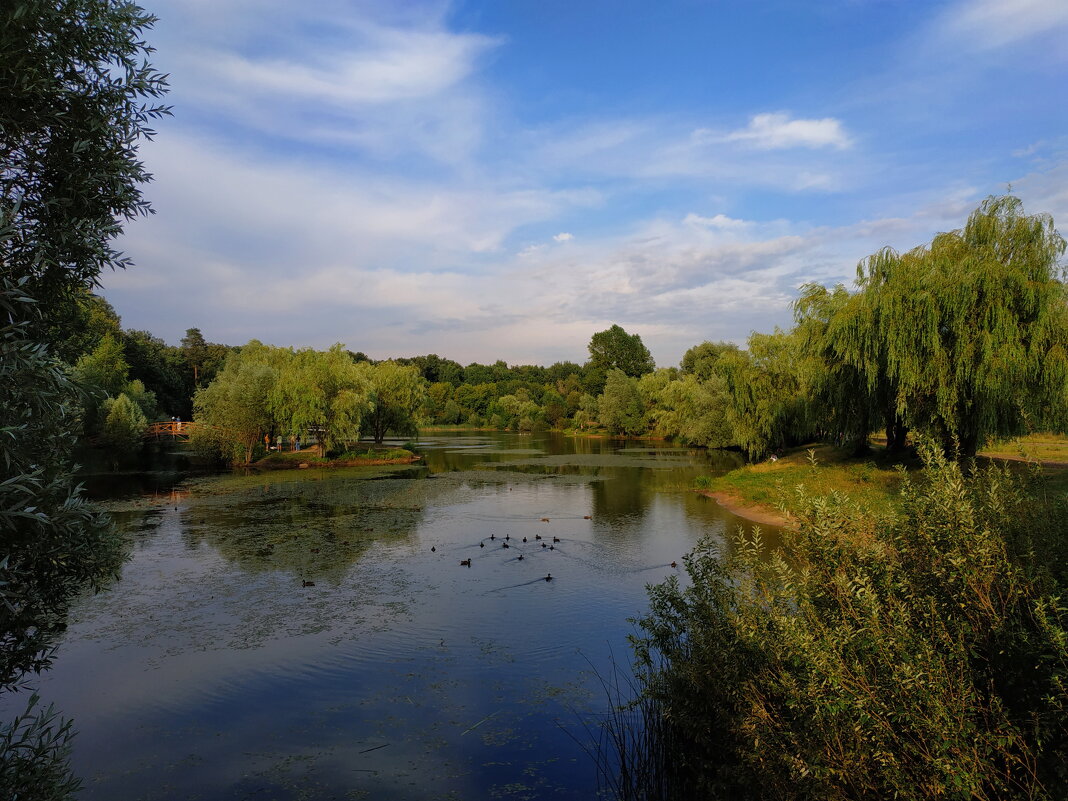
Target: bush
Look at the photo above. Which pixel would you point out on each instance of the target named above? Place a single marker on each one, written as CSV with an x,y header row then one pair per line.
x,y
925,656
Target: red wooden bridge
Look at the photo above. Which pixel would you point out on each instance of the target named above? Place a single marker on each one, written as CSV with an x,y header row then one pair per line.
x,y
177,429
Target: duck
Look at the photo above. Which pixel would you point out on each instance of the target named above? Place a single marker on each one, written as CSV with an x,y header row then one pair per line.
x,y
548,576
674,564
586,517
543,545
545,520
505,545
556,539
482,545
520,557
307,584
493,536
524,539
433,548
508,536
552,547
465,563
537,536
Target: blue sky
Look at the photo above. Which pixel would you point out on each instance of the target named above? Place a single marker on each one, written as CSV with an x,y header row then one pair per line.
x,y
500,180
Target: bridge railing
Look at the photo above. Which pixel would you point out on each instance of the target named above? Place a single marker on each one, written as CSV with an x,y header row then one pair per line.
x,y
169,428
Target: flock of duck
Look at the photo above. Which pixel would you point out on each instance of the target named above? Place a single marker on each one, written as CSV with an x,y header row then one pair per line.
x,y
506,543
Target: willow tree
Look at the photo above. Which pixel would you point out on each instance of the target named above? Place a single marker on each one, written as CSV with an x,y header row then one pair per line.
x,y
234,408
397,393
965,339
325,392
769,390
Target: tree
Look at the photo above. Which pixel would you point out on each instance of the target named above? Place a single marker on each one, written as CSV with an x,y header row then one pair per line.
x,y
620,408
235,408
701,360
53,543
73,75
195,350
769,404
124,423
964,339
397,394
75,80
324,392
615,349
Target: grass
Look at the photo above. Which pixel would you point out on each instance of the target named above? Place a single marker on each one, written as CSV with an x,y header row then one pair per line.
x,y
1038,447
871,482
369,455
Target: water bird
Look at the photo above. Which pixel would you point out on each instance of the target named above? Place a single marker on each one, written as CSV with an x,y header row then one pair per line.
x,y
673,564
556,539
545,520
543,545
482,545
465,563
493,536
586,517
433,548
520,557
504,545
307,584
552,547
537,536
508,536
524,539
548,576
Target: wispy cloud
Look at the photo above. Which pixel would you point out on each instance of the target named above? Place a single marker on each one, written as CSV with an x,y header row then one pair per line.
x,y
992,24
778,131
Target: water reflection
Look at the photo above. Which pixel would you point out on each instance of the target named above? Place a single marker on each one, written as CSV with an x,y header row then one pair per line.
x,y
314,634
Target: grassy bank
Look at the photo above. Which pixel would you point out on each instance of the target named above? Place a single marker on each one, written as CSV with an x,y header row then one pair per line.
x,y
352,458
770,487
762,491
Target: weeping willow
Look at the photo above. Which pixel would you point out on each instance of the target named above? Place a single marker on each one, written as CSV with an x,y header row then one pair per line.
x,y
964,339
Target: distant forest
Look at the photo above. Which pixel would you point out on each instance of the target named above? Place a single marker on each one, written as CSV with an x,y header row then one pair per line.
x,y
963,339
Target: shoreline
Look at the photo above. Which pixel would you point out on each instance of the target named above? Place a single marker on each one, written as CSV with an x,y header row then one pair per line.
x,y
754,513
299,465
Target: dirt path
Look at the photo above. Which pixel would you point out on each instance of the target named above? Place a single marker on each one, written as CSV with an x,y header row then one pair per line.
x,y
762,515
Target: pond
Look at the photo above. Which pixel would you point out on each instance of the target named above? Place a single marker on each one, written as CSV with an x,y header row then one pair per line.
x,y
313,634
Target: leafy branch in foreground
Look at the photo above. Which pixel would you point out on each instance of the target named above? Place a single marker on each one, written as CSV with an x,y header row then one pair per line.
x,y
924,656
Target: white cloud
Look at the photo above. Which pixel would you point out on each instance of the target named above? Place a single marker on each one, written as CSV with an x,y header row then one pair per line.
x,y
720,221
778,131
563,237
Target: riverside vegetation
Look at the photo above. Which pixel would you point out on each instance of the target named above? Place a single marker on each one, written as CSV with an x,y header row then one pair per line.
x,y
917,651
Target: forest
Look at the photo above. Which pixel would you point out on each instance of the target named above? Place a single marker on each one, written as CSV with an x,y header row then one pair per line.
x,y
963,340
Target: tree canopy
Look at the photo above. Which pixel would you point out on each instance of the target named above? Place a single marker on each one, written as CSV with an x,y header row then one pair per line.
x,y
615,349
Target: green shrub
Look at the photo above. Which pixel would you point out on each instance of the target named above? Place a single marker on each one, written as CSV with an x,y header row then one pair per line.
x,y
925,656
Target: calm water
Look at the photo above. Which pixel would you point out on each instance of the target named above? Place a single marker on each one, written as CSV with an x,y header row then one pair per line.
x,y
209,669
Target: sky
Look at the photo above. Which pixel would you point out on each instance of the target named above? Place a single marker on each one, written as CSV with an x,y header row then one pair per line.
x,y
502,179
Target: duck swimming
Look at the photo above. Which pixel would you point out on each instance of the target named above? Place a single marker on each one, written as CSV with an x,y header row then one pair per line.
x,y
548,576
465,563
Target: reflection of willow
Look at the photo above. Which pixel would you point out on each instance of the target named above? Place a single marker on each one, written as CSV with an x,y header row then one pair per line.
x,y
313,529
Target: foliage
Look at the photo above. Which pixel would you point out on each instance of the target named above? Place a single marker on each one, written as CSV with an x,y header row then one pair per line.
x,y
53,543
620,408
769,406
75,81
964,339
397,394
36,750
105,370
924,658
695,412
234,407
615,349
124,423
325,392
